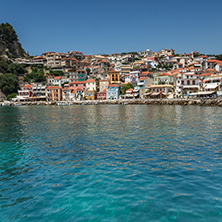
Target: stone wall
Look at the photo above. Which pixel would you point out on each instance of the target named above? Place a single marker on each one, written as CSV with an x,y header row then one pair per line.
x,y
183,102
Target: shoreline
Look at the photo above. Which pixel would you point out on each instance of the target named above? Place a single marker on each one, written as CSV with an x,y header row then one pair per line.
x,y
184,102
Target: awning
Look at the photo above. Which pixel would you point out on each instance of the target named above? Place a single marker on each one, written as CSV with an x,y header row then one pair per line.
x,y
211,86
147,94
190,87
155,93
201,93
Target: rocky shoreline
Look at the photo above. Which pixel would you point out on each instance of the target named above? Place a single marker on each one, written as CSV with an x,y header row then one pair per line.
x,y
184,102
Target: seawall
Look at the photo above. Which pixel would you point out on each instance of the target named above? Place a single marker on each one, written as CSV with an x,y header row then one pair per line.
x,y
183,102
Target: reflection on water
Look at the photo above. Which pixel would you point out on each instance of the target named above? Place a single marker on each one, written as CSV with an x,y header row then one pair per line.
x,y
110,163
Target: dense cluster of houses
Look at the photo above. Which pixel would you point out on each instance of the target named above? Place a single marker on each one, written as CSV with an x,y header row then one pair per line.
x,y
161,74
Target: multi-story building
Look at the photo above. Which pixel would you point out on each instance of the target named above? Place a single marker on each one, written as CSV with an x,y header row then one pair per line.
x,y
159,91
113,91
50,58
103,84
66,93
39,91
164,78
90,85
134,76
25,93
102,95
187,83
57,80
77,75
53,93
90,95
78,85
114,77
147,52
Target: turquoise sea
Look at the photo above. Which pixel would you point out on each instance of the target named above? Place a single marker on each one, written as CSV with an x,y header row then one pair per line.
x,y
111,163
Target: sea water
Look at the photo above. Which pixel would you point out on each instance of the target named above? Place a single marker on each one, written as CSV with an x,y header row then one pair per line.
x,y
111,163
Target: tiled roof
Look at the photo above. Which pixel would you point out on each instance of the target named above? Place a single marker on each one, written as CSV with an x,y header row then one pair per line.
x,y
57,77
53,87
90,80
113,85
27,86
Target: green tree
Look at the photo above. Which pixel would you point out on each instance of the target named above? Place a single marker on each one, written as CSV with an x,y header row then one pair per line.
x,y
88,71
7,32
16,69
126,87
9,83
55,73
34,69
35,76
12,95
3,66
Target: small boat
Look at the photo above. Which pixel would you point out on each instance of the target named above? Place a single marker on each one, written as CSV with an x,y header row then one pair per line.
x,y
125,103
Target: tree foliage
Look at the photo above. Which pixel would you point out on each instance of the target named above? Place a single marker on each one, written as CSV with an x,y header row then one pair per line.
x,y
36,76
9,83
7,32
88,71
126,87
219,57
9,67
56,73
12,95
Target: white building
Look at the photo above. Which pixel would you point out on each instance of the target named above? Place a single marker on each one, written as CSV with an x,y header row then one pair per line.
x,y
147,52
90,85
186,84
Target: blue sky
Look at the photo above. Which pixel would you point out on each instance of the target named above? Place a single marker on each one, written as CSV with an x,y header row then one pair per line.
x,y
109,26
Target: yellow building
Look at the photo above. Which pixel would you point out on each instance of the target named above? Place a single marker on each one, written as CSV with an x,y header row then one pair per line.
x,y
114,77
90,95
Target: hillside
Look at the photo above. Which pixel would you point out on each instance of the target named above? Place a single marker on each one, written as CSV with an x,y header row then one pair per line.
x,y
9,44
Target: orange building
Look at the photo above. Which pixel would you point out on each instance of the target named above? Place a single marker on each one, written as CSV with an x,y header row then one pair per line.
x,y
53,93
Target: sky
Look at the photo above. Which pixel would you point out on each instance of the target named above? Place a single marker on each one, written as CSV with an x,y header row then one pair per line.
x,y
115,26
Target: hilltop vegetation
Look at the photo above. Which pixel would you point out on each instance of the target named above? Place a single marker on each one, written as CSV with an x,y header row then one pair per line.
x,y
9,71
9,44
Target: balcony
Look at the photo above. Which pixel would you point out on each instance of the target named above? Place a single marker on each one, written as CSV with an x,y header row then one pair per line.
x,y
141,83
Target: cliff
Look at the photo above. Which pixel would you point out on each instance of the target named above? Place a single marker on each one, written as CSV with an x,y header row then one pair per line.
x,y
9,44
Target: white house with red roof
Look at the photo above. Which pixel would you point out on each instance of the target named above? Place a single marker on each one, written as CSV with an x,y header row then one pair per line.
x,y
25,93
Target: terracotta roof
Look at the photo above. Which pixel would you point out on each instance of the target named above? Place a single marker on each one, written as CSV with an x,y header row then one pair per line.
x,y
53,87
141,78
211,70
129,90
113,85
27,86
206,74
57,77
212,60
79,89
75,82
90,80
164,74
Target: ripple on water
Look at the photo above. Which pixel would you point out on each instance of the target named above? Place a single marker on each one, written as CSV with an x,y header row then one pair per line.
x,y
110,163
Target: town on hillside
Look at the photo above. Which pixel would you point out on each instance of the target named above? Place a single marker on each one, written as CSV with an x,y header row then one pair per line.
x,y
74,76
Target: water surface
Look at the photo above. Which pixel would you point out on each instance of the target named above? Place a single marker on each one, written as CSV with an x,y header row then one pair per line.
x,y
111,163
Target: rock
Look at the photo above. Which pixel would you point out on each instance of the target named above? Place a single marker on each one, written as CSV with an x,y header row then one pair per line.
x,y
220,104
